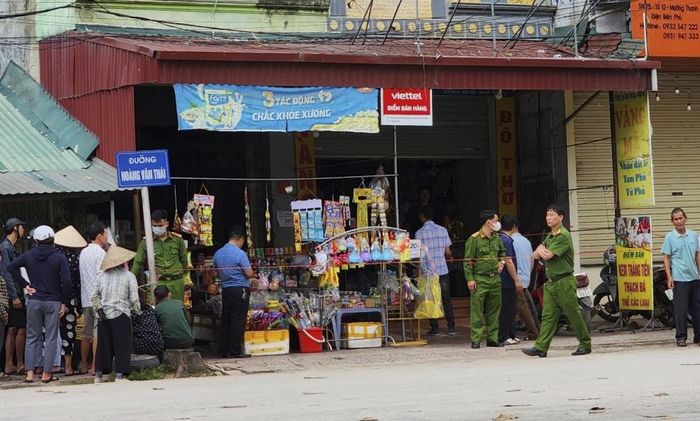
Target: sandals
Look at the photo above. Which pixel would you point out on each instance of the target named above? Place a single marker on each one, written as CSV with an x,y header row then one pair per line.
x,y
26,380
50,379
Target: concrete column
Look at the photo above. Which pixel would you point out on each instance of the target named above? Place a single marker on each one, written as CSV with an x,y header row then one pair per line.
x,y
573,183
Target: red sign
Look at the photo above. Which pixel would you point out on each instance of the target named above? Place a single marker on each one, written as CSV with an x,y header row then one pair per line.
x,y
407,107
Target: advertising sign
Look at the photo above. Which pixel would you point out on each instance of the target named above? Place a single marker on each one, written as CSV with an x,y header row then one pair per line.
x,y
673,26
635,283
230,108
407,107
635,176
143,169
506,155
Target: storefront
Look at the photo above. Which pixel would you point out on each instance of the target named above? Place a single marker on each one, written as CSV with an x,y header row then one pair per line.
x,y
459,157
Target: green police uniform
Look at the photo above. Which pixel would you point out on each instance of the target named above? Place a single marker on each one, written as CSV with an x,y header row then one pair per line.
x,y
171,260
560,291
482,255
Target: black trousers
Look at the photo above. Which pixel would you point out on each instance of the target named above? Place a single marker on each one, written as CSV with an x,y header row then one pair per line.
x,y
686,299
509,308
115,342
234,313
446,304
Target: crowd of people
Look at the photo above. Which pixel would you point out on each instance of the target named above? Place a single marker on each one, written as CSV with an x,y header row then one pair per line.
x,y
64,290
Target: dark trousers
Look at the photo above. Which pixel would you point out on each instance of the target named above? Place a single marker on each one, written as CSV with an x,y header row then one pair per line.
x,y
115,342
234,312
686,296
509,308
446,304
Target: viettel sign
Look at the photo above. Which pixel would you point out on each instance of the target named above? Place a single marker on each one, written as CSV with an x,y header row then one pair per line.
x,y
407,107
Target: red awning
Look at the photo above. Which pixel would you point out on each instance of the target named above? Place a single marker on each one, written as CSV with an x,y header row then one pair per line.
x,y
108,62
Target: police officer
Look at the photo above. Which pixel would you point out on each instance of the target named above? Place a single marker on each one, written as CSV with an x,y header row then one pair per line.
x,y
170,255
483,262
560,289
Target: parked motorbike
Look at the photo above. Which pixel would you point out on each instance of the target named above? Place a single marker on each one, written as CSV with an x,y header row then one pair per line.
x,y
583,293
606,301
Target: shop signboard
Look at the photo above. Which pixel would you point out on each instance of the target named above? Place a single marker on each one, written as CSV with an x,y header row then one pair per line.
x,y
506,156
635,176
143,169
635,283
231,108
407,107
673,27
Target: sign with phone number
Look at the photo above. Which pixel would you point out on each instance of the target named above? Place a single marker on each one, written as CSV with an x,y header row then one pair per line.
x,y
673,26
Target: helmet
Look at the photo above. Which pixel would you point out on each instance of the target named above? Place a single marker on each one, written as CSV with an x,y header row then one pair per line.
x,y
610,256
11,223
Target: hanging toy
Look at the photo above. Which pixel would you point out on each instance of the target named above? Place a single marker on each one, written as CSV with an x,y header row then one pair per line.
x,y
321,264
334,218
354,254
403,244
365,254
248,224
268,219
376,252
362,196
387,252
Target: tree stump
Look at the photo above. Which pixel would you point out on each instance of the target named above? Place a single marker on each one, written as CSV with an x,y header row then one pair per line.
x,y
184,362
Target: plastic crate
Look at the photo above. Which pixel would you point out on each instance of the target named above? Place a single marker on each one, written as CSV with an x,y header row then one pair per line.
x,y
362,335
266,342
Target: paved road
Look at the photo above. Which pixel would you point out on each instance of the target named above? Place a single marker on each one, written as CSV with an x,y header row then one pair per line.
x,y
650,382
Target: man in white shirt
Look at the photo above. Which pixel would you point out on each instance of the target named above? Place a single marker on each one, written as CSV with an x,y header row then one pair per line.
x,y
523,256
90,261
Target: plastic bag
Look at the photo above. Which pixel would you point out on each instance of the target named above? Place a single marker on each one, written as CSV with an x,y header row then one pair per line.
x,y
429,305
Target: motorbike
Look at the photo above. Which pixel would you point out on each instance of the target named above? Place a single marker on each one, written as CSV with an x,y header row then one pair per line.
x,y
606,302
583,293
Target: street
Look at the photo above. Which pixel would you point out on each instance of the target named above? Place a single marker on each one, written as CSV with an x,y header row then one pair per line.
x,y
655,381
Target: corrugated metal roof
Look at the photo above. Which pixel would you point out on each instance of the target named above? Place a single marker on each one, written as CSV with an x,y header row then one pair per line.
x,y
98,177
45,114
42,149
77,64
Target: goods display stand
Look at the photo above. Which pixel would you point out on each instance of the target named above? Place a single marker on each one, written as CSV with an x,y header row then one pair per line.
x,y
399,314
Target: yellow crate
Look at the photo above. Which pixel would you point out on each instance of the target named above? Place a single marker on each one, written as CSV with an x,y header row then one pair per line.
x,y
362,330
362,335
266,342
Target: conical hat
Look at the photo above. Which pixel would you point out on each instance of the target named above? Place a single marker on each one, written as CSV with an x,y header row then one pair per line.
x,y
116,256
69,237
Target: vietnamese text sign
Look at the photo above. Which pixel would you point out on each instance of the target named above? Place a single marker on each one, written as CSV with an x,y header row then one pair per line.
x,y
635,176
635,283
407,107
231,108
673,26
506,155
143,169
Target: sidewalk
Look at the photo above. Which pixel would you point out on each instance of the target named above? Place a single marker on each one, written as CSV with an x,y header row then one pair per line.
x,y
441,348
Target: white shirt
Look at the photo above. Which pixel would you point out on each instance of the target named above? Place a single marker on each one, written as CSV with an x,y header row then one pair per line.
x,y
90,261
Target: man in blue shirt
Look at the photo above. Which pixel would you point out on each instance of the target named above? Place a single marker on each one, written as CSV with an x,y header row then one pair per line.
x,y
234,271
509,283
438,242
523,256
681,262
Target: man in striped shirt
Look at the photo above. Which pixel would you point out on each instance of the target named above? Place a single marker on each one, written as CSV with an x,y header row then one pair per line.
x,y
437,240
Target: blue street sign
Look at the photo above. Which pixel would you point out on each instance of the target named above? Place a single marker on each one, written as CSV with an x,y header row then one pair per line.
x,y
143,169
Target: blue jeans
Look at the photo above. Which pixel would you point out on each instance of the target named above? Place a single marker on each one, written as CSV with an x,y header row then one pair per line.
x,y
42,314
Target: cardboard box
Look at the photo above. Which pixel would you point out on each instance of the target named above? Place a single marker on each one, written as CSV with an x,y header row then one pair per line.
x,y
362,335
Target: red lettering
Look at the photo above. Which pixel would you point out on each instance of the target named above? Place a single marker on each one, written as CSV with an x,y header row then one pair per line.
x,y
305,157
506,116
507,181
508,198
506,136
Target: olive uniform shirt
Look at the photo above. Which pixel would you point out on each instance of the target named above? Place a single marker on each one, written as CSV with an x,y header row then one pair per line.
x,y
170,258
560,244
482,255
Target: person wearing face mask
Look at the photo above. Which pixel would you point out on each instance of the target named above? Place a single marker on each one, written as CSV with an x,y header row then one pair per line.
x,y
483,262
170,255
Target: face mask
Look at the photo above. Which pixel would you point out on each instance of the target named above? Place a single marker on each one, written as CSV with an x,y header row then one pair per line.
x,y
158,231
496,226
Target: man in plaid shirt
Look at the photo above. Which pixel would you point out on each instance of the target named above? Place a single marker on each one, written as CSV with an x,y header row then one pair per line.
x,y
437,240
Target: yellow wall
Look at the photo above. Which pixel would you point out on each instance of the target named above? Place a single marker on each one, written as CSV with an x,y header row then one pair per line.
x,y
384,9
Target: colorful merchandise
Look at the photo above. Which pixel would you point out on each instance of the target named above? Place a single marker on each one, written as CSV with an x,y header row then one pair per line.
x,y
334,217
429,306
204,206
363,198
308,220
248,224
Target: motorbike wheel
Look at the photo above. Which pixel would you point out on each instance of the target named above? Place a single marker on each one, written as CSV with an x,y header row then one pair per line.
x,y
606,308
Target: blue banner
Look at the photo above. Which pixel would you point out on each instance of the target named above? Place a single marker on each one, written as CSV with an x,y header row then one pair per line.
x,y
230,108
